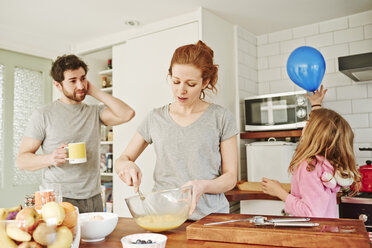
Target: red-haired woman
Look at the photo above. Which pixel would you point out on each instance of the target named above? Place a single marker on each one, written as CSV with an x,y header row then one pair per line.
x,y
194,140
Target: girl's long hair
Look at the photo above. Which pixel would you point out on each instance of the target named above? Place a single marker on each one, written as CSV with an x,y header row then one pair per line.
x,y
329,135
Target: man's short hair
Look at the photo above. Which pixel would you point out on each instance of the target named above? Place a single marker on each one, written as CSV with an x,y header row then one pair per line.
x,y
65,63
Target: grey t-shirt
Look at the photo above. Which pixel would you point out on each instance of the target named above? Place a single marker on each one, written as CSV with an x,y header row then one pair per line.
x,y
58,123
189,153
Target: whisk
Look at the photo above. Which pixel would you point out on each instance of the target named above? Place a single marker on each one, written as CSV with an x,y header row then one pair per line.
x,y
146,205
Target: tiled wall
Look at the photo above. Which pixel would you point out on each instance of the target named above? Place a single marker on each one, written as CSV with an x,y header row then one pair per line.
x,y
334,38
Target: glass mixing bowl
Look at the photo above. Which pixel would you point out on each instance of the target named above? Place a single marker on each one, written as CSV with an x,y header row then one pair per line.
x,y
162,210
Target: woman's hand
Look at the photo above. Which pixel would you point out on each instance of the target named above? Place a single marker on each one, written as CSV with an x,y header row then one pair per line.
x,y
274,188
198,189
129,173
318,96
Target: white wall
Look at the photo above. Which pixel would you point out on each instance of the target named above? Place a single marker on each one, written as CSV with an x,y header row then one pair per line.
x,y
334,38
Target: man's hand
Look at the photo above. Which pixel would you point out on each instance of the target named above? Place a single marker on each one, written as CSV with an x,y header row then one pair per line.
x,y
58,156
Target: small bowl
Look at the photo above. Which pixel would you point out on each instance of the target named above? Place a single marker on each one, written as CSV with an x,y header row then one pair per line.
x,y
158,240
97,225
162,210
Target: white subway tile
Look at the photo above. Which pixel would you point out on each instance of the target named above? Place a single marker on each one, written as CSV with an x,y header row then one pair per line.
x,y
369,89
335,51
364,46
284,72
269,75
262,63
333,25
252,49
243,70
352,92
281,86
262,39
336,79
251,86
306,30
362,154
368,32
251,38
331,95
360,19
278,60
360,161
290,45
341,107
268,50
253,75
280,36
362,135
263,88
243,45
362,106
357,120
250,61
240,32
330,66
320,40
348,35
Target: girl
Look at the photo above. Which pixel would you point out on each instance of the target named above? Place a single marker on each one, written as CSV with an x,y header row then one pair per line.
x,y
194,140
322,163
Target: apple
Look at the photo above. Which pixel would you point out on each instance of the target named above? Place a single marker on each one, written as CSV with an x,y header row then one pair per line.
x,y
64,238
71,215
28,219
16,233
52,211
5,241
30,244
44,234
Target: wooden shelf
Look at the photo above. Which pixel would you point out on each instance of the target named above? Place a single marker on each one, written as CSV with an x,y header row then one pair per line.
x,y
106,142
268,134
106,174
108,89
105,72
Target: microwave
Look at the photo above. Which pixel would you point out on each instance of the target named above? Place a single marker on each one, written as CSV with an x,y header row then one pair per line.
x,y
280,111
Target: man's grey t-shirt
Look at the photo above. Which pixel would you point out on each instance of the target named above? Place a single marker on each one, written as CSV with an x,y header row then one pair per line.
x,y
189,153
58,123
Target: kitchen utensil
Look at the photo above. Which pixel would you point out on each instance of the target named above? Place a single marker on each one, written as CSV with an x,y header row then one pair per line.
x,y
262,221
146,205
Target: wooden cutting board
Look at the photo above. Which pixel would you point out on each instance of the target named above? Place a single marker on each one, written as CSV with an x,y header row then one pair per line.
x,y
330,232
256,186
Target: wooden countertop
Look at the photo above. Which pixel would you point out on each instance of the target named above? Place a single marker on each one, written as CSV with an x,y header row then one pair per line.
x,y
239,195
176,238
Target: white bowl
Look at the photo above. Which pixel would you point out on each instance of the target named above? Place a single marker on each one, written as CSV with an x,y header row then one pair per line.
x,y
158,240
93,229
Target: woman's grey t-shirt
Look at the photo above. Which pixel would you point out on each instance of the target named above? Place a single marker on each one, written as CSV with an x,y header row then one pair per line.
x,y
58,123
189,153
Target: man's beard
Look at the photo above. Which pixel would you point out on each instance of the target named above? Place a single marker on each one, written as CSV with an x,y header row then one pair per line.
x,y
73,96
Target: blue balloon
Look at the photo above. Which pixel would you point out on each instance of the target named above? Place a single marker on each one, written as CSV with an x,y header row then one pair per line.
x,y
306,67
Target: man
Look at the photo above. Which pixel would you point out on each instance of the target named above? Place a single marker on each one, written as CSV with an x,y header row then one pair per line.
x,y
68,120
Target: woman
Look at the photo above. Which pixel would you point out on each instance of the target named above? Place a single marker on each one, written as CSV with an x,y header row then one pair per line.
x,y
195,141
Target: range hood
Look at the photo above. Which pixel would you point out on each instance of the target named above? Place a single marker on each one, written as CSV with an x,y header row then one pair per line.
x,y
357,67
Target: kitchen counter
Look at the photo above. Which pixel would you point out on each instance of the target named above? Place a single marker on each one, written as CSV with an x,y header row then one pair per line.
x,y
176,238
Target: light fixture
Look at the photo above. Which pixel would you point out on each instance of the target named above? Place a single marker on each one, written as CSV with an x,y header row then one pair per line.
x,y
132,23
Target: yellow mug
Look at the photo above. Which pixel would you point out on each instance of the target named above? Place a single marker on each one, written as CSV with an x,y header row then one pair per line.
x,y
76,153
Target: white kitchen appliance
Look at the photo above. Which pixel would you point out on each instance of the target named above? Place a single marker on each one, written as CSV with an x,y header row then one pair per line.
x,y
280,111
271,160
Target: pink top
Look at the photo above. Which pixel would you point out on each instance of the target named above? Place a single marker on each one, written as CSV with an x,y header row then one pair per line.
x,y
310,196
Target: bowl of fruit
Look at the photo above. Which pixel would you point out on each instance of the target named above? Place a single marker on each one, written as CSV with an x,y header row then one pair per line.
x,y
56,226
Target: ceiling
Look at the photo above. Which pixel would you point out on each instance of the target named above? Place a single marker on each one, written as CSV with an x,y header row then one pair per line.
x,y
74,21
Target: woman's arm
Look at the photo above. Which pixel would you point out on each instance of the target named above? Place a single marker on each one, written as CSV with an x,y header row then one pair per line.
x,y
125,167
223,183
